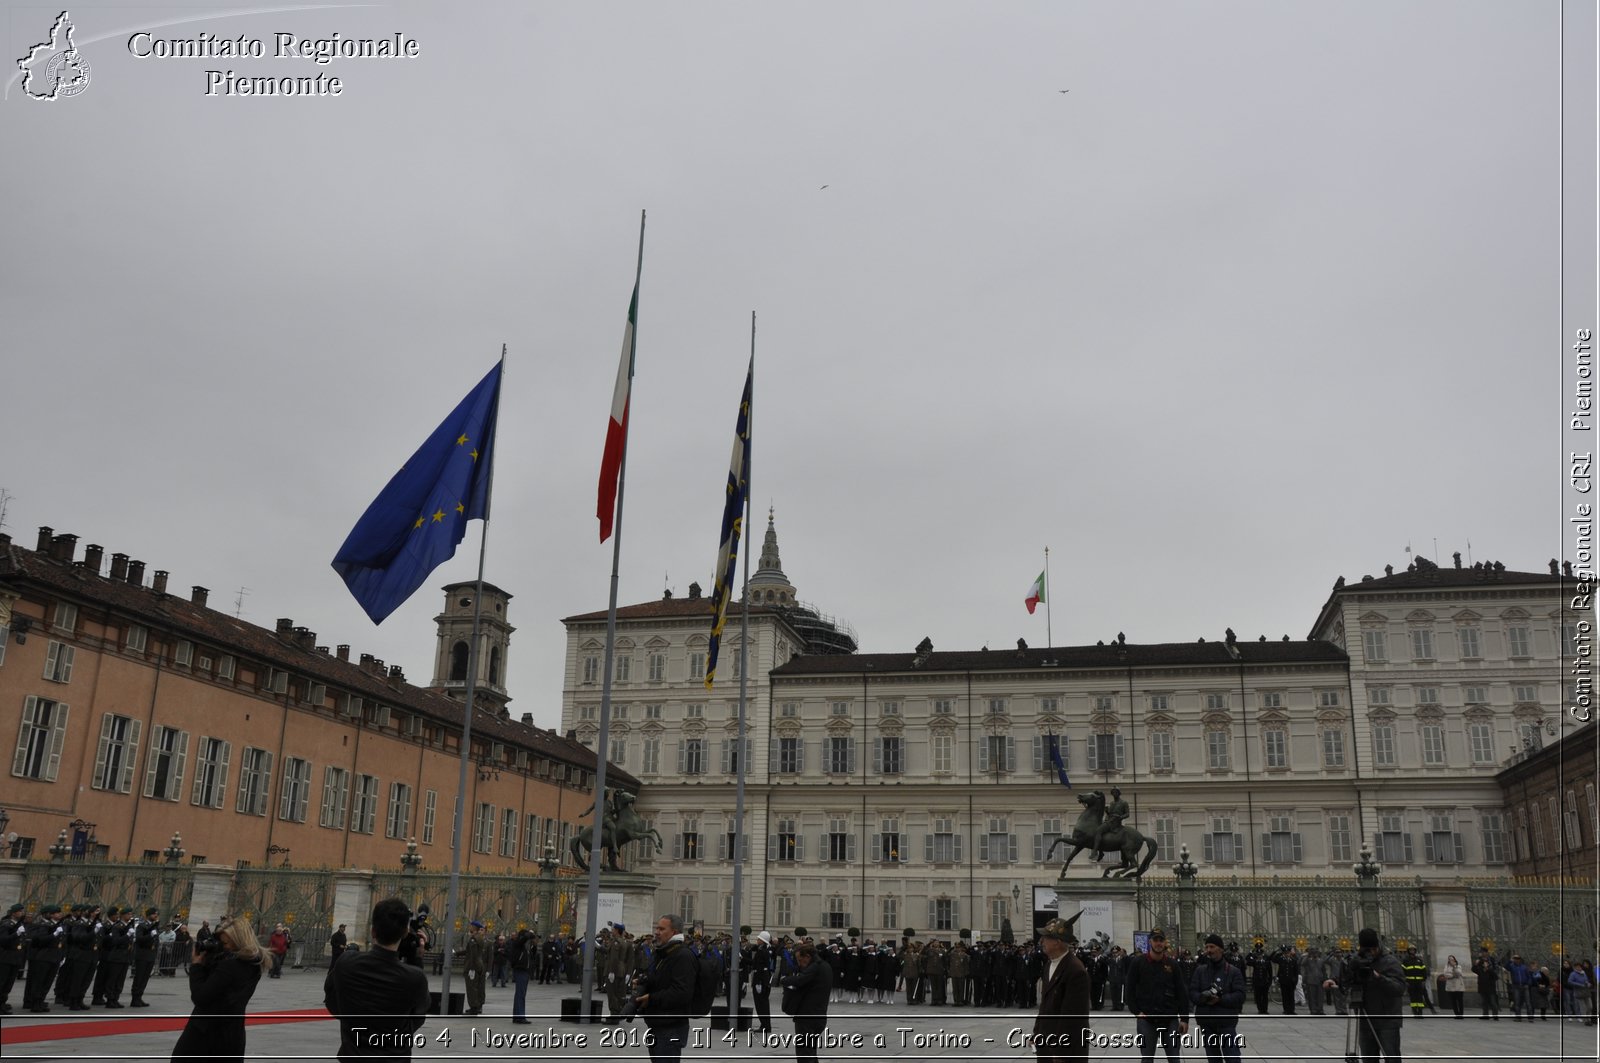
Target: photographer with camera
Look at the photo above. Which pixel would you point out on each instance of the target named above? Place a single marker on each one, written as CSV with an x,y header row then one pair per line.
x,y
223,974
1216,989
418,937
668,991
1376,984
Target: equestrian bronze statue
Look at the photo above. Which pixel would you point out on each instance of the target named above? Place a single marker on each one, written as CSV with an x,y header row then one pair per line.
x,y
1094,832
619,825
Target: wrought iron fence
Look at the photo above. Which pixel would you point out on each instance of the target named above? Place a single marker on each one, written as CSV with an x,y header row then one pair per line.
x,y
1312,911
138,886
1541,922
504,904
300,899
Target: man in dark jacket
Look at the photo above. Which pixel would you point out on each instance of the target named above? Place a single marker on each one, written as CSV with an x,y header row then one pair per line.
x,y
1377,986
1288,962
805,998
379,1001
1216,989
146,946
668,990
1159,999
1061,1032
337,943
13,952
1487,969
1260,966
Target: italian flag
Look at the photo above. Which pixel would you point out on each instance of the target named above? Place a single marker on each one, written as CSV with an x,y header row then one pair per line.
x,y
1035,593
617,427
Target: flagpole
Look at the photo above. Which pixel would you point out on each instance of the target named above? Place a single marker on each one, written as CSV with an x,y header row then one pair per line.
x,y
453,891
744,681
603,742
1049,639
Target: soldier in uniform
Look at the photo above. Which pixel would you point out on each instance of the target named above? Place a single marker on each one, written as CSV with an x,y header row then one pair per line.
x,y
618,972
101,922
960,966
116,955
146,944
79,970
13,955
1116,812
475,967
45,938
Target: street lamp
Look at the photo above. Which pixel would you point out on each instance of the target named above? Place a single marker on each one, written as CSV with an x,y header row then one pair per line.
x,y
174,850
5,821
1185,869
279,850
1367,869
1016,899
411,860
62,847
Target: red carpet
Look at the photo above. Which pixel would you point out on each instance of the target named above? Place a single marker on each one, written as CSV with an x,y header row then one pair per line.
x,y
62,1030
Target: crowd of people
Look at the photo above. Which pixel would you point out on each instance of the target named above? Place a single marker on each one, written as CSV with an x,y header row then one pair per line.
x,y
83,956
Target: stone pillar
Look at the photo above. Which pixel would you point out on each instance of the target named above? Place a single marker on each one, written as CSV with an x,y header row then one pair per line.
x,y
1109,905
213,889
626,897
352,904
1446,915
13,877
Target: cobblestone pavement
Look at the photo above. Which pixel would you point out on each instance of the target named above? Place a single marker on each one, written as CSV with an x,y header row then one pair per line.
x,y
859,1031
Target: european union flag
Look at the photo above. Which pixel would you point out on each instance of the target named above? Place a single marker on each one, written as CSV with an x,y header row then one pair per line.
x,y
418,520
732,524
1056,762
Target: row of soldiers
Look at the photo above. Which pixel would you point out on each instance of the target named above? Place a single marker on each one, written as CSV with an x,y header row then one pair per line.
x,y
80,952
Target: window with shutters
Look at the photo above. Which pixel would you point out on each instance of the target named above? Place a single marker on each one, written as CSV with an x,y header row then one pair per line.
x,y
508,832
1393,841
1339,847
783,909
786,843
1525,694
1275,748
1374,645
135,638
890,709
163,777
686,908
58,662
688,847
1105,703
789,710
997,706
1332,747
1049,832
888,759
838,914
619,752
294,793
1378,696
652,712
397,824
255,781
1105,751
730,755
115,757
999,911
430,811
1441,843
1574,823
1164,826
1221,845
839,708
1480,735
943,748
694,711
1383,747
942,913
728,843
841,754
1160,750
891,911
693,757
623,666
1160,702
1475,695
656,667
1471,644
1217,702
483,828
889,847
1328,699
697,664
1272,699
944,846
588,712
591,669
652,756
1432,735
211,772
1518,642
999,844
789,756
1280,844
1217,741
996,754
335,797
1421,644
1492,835
944,707
841,847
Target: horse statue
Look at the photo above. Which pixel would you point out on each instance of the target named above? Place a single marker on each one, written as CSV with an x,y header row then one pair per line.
x,y
619,825
1123,839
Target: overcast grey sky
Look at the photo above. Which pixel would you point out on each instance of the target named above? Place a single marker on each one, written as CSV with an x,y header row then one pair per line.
x,y
1268,295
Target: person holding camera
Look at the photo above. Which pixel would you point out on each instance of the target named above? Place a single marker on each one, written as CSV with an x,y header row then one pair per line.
x,y
223,975
417,938
1216,989
378,1000
805,999
1376,984
668,991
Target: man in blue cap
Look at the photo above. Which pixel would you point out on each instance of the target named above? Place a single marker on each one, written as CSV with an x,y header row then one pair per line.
x,y
478,952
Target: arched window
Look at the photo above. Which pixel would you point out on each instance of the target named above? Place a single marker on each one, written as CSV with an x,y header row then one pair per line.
x,y
458,663
494,665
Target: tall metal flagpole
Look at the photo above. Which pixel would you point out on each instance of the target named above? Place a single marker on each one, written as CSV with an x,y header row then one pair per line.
x,y
738,841
603,743
453,892
1049,639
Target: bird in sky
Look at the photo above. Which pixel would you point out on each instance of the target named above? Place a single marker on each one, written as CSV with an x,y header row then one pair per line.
x,y
1063,91
820,189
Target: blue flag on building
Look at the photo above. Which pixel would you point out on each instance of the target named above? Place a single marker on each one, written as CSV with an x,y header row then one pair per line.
x,y
418,520
732,525
1057,763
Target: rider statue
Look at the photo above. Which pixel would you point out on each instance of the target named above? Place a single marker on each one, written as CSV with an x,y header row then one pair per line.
x,y
1111,826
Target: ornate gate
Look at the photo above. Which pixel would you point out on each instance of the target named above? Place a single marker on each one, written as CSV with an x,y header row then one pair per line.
x,y
136,886
1543,919
301,900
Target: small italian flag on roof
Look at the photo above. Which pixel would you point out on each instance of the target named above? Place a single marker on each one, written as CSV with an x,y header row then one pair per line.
x,y
1035,593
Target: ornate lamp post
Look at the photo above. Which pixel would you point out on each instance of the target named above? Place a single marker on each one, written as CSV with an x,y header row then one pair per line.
x,y
411,860
1367,871
62,847
174,850
1016,900
547,887
278,850
1187,872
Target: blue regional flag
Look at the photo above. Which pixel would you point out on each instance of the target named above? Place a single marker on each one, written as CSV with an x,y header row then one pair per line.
x,y
732,525
418,520
1056,762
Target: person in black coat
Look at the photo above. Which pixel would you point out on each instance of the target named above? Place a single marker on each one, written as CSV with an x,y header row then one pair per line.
x,y
1216,989
1158,996
373,992
805,999
337,943
221,982
1288,962
760,974
1061,1030
668,990
1260,966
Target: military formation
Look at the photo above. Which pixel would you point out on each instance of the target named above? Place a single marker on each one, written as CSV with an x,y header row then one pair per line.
x,y
79,957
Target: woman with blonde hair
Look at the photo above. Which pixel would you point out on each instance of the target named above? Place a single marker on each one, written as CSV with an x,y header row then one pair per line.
x,y
222,979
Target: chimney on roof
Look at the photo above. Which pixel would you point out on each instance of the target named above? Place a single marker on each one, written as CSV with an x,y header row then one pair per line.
x,y
285,625
5,538
158,582
136,573
198,595
527,718
305,638
366,660
377,666
119,567
344,651
46,534
397,673
63,547
694,591
93,557
322,650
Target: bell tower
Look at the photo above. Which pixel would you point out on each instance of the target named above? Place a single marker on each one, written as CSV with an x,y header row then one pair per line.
x,y
768,584
454,651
